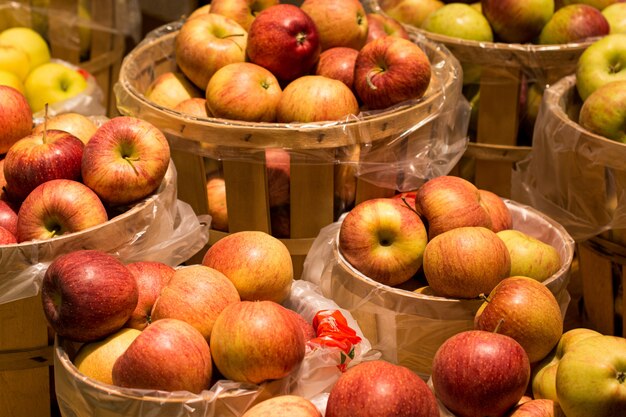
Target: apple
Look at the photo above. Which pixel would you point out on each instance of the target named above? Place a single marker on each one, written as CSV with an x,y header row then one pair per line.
x,y
216,195
598,4
29,41
285,40
206,43
465,262
517,21
278,168
283,406
478,373
384,240
529,312
498,211
77,124
407,197
241,11
574,23
590,378
16,117
8,217
339,23
195,106
125,160
169,355
390,70
14,60
57,207
256,341
11,80
411,12
615,14
459,20
243,91
170,88
52,83
151,277
315,98
603,112
530,257
383,389
280,221
95,359
258,264
338,63
448,202
6,237
197,295
87,295
602,62
200,11
380,25
537,408
308,332
41,157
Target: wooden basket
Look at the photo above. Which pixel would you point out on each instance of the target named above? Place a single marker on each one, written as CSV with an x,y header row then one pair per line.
x,y
317,150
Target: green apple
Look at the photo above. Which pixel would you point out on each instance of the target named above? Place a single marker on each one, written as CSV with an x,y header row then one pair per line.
x,y
602,62
591,379
530,257
615,14
14,60
411,12
604,111
29,41
598,4
12,80
51,83
459,20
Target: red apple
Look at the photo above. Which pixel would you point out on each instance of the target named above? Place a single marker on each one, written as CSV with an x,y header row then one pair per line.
x,y
284,39
517,21
87,295
477,373
537,408
241,11
307,328
197,295
378,388
125,160
16,117
169,355
280,221
58,207
381,25
77,124
284,406
258,264
574,23
338,63
151,277
195,106
6,237
277,164
498,211
170,88
41,157
8,217
216,195
338,22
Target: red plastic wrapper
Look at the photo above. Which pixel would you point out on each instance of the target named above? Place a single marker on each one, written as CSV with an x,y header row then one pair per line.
x,y
332,330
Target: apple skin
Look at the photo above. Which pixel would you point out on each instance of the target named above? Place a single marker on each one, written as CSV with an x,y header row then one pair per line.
x,y
195,106
477,373
216,195
466,262
338,23
285,40
390,70
517,21
197,295
16,117
590,378
498,211
530,257
411,12
125,160
537,408
170,88
338,63
95,359
75,123
307,328
531,315
278,168
256,341
459,20
602,62
52,83
57,207
151,277
243,91
258,264
241,11
206,43
169,355
598,4
382,389
29,41
41,157
315,98
615,14
283,406
603,112
448,202
384,240
574,23
10,79
381,25
6,237
8,217
14,60
87,295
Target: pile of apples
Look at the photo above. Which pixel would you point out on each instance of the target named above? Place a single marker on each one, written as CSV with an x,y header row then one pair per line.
x,y
68,174
326,60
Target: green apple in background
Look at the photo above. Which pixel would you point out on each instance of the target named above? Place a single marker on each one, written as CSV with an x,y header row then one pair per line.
x,y
530,257
591,379
598,4
602,62
29,41
14,60
459,20
411,12
51,83
604,111
12,80
615,14
477,6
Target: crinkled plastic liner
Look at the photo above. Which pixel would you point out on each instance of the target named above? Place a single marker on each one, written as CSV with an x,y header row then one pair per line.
x,y
159,228
80,396
574,176
408,327
400,147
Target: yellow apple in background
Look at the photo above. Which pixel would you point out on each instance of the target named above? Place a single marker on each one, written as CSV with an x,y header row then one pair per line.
x,y
171,88
29,41
51,83
14,60
12,80
96,359
75,123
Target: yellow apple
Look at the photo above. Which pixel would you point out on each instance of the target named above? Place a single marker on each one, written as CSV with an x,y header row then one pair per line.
x,y
51,83
12,80
29,41
75,123
171,88
14,60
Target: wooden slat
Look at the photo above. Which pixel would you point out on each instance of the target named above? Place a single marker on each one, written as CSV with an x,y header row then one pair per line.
x,y
598,294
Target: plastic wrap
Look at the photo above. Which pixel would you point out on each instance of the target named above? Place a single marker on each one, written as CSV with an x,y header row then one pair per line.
x,y
408,327
159,228
80,396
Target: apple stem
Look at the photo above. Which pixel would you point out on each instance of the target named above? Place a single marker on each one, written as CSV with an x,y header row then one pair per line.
x,y
130,161
621,377
500,322
233,36
484,298
406,203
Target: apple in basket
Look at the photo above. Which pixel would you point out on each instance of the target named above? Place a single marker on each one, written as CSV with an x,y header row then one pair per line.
x,y
604,113
338,63
380,25
284,406
87,295
517,21
598,4
77,124
339,23
380,388
602,62
151,277
574,23
216,196
537,408
411,12
615,14
8,217
241,11
500,214
16,117
477,373
6,237
170,88
53,82
461,21
195,106
125,160
530,257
